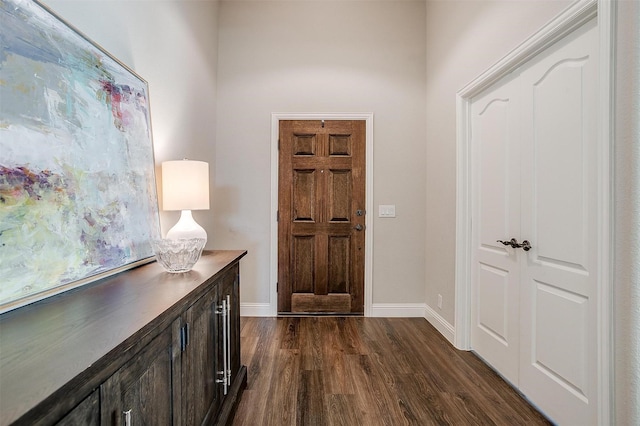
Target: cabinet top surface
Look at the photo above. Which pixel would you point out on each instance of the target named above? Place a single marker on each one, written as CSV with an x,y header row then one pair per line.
x,y
43,346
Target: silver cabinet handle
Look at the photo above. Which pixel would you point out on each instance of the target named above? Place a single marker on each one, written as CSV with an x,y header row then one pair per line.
x,y
225,319
127,418
228,338
224,312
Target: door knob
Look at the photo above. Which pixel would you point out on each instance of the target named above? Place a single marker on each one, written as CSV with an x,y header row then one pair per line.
x,y
526,245
358,227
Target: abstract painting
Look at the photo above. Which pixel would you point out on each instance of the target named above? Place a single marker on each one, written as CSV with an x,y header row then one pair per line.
x,y
77,187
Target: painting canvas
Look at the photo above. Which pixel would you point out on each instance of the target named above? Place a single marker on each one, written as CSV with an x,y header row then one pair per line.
x,y
77,185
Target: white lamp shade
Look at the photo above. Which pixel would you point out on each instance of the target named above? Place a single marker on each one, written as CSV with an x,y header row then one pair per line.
x,y
185,185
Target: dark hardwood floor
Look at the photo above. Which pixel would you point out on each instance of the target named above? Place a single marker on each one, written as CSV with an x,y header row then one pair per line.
x,y
368,371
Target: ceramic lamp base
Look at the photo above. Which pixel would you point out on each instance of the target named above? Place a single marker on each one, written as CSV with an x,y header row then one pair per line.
x,y
186,228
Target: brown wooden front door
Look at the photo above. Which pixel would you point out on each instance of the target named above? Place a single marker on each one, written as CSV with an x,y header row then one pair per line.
x,y
321,208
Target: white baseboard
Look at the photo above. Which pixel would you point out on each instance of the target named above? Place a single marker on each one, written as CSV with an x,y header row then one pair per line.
x,y
434,318
255,310
398,310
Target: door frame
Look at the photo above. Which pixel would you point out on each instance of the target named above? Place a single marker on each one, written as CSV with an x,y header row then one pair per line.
x,y
571,18
368,237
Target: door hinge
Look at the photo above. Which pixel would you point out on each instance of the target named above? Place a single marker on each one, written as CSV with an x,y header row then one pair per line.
x,y
277,287
278,144
277,215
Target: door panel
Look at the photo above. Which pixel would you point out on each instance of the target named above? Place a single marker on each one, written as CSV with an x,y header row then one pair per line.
x,y
559,196
340,261
304,144
304,195
496,204
556,313
340,196
340,145
559,162
303,261
321,189
493,285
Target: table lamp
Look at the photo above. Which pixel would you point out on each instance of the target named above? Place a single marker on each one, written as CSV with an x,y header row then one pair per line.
x,y
185,187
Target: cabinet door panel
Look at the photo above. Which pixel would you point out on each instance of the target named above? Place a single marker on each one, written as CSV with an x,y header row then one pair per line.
x,y
143,386
87,413
201,395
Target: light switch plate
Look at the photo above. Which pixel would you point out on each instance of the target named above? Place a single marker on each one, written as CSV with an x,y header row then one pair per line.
x,y
388,210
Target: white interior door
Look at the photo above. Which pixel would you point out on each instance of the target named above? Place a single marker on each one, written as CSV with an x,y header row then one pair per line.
x,y
559,211
496,207
534,313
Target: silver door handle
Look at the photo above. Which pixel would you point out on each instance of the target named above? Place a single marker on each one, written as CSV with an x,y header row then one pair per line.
x,y
526,245
358,227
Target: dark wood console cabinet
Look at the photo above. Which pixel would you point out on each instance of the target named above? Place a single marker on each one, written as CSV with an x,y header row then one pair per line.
x,y
141,347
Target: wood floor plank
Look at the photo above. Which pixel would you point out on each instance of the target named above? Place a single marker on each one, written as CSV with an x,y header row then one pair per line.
x,y
424,399
312,344
262,362
311,410
281,407
337,374
368,371
291,336
338,378
341,412
371,393
350,336
244,413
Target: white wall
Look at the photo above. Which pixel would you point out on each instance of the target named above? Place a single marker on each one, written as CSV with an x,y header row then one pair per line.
x,y
172,45
464,38
323,56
